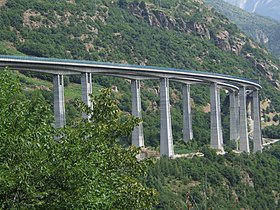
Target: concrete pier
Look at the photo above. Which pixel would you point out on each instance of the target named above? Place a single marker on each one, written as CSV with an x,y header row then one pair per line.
x,y
61,67
220,119
233,104
216,133
187,115
257,122
249,102
166,138
137,134
86,82
59,106
237,116
243,129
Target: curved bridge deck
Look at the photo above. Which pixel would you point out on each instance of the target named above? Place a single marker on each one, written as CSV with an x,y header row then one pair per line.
x,y
238,89
67,66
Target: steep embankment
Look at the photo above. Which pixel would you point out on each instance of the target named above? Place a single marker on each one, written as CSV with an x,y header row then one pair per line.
x,y
181,34
263,30
267,8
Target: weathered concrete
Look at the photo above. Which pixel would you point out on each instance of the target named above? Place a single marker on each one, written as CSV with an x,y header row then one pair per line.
x,y
166,138
216,140
257,122
220,119
249,109
86,82
137,134
59,106
187,115
233,104
237,116
244,141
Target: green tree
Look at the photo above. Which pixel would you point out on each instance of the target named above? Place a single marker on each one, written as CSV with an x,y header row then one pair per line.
x,y
84,169
122,3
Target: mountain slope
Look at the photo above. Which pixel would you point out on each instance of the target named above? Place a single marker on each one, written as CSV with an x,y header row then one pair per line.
x,y
263,30
267,8
109,31
180,34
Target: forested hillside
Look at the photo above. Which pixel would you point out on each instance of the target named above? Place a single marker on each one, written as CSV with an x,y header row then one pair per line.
x,y
186,35
180,34
263,30
218,182
87,169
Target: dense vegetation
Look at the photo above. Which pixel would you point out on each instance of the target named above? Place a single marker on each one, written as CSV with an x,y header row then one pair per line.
x,y
84,168
219,182
111,31
38,170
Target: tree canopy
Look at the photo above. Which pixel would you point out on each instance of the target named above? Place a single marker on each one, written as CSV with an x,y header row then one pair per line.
x,y
84,169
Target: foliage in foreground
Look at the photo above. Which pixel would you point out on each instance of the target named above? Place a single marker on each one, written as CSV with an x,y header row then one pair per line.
x,y
84,169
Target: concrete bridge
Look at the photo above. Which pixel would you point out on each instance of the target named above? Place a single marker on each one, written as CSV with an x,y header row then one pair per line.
x,y
237,87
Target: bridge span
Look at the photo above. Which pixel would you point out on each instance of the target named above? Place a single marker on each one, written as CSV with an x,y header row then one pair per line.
x,y
237,87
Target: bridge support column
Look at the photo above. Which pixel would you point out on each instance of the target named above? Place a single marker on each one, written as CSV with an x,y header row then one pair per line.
x,y
244,141
216,132
59,106
257,122
250,115
233,104
166,138
237,116
220,119
187,117
86,82
137,134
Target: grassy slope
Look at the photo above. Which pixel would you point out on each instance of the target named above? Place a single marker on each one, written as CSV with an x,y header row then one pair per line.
x,y
72,91
7,48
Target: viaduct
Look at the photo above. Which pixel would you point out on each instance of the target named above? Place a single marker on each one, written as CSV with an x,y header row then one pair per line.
x,y
237,88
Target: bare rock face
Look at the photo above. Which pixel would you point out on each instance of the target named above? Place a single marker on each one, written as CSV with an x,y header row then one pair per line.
x,y
114,89
222,41
164,20
200,29
265,68
246,179
2,2
276,83
261,37
154,18
158,18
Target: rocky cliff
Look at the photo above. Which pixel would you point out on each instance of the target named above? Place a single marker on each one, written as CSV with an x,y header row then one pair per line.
x,y
232,41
